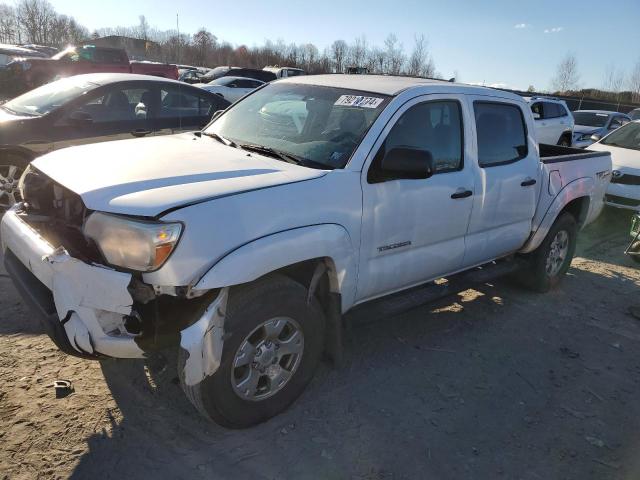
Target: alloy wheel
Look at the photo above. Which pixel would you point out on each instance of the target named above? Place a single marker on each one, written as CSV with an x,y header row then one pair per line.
x,y
267,359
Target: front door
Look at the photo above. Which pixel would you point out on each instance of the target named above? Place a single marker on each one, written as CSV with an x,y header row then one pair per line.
x,y
413,230
507,182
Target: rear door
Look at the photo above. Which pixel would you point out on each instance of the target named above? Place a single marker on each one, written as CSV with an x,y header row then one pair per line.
x,y
413,229
184,108
114,112
506,182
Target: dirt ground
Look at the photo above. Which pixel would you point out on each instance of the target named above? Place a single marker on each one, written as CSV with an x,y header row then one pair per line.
x,y
496,382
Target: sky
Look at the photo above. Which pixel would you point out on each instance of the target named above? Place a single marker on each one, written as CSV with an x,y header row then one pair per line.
x,y
494,42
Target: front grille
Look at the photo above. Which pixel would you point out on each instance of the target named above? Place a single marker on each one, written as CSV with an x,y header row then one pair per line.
x,y
57,213
626,180
629,202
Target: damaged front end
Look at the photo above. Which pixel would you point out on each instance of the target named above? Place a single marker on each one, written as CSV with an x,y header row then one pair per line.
x,y
88,308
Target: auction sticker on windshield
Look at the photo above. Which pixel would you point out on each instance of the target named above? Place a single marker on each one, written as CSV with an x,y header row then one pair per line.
x,y
358,101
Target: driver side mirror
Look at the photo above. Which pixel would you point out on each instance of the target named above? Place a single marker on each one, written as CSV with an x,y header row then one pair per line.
x,y
614,126
536,116
407,163
80,118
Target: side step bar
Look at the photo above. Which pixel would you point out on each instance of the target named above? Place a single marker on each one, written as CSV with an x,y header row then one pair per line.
x,y
415,297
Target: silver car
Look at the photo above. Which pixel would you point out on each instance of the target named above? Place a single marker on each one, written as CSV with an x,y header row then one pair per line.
x,y
595,122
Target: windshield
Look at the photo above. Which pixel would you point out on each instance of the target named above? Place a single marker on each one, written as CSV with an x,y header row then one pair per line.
x,y
627,136
48,97
590,119
319,125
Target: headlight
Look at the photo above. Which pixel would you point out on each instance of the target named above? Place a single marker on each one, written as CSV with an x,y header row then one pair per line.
x,y
585,136
132,244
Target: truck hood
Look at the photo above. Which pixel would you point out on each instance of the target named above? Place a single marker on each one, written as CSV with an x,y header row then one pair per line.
x,y
624,159
149,176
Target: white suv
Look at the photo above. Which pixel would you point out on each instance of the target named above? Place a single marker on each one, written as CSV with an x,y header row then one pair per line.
x,y
553,120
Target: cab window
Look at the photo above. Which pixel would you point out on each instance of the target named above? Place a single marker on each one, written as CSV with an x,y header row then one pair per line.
x,y
501,133
435,127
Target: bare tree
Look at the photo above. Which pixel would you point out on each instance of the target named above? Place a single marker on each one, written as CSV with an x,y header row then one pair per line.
x,y
395,55
35,18
420,62
338,55
143,28
358,52
634,82
9,31
567,76
203,41
613,79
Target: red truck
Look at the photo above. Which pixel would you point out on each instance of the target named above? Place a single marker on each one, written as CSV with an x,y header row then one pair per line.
x,y
33,72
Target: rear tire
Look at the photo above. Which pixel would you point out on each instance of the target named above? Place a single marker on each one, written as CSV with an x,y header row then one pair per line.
x,y
254,314
548,264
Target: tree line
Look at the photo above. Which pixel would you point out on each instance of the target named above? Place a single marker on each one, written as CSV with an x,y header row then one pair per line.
x,y
617,85
36,21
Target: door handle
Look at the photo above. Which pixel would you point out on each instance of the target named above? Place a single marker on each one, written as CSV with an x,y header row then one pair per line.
x,y
528,182
140,132
461,193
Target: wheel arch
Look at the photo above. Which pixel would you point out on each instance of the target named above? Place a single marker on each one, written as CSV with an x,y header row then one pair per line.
x,y
574,198
309,255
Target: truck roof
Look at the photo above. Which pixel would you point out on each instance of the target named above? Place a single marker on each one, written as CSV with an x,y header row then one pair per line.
x,y
392,85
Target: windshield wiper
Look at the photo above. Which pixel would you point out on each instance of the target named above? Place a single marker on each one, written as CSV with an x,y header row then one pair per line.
x,y
284,156
225,141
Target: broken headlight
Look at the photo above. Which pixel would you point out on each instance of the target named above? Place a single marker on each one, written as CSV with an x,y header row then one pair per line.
x,y
132,244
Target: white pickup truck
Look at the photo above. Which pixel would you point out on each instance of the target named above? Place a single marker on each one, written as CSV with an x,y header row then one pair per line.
x,y
247,243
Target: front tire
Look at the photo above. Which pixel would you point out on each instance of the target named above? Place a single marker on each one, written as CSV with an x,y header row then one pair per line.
x,y
273,343
548,264
11,168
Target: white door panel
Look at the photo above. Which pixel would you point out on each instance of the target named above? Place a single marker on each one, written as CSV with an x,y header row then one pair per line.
x,y
412,230
503,207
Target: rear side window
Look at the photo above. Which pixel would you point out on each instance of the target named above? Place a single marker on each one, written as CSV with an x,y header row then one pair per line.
x,y
179,102
501,132
553,110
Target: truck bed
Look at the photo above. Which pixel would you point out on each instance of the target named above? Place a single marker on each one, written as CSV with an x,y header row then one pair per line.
x,y
563,169
556,153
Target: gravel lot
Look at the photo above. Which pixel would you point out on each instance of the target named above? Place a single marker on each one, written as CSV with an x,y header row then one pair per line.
x,y
496,382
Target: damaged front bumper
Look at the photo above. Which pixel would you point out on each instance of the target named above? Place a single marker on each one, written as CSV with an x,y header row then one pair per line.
x,y
82,307
85,308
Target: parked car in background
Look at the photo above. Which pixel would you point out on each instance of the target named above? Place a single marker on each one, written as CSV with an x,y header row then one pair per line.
x,y
9,53
552,119
243,246
231,88
218,72
285,72
94,108
48,51
31,73
191,76
624,145
634,114
596,124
